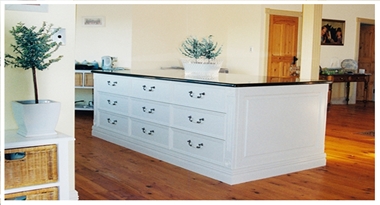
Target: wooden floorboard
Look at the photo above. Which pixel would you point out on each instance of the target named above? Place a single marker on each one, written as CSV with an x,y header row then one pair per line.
x,y
105,171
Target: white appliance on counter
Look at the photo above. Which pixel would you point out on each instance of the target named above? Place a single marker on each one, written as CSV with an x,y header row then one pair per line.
x,y
108,62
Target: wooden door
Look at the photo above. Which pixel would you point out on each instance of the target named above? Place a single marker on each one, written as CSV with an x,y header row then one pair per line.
x,y
282,44
366,59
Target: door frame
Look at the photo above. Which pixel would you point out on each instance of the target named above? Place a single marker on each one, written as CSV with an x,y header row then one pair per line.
x,y
269,12
358,22
357,45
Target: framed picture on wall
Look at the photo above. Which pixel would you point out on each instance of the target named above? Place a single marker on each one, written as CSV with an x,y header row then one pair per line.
x,y
27,7
93,21
332,32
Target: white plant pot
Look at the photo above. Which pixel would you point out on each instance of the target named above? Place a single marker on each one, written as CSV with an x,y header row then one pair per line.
x,y
35,120
202,69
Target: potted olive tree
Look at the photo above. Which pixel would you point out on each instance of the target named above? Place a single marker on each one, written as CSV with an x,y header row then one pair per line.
x,y
201,62
33,51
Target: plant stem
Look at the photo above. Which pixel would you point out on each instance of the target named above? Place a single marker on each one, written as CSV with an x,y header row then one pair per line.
x,y
35,85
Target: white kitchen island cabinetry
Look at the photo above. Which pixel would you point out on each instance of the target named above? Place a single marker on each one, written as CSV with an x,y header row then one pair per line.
x,y
235,129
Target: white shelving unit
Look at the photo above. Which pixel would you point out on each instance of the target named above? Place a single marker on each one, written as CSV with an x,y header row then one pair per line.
x,y
13,140
84,85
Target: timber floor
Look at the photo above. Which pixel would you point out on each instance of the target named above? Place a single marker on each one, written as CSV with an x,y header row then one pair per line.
x,y
106,171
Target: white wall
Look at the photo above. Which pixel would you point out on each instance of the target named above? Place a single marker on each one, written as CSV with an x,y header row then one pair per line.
x,y
148,36
56,82
112,39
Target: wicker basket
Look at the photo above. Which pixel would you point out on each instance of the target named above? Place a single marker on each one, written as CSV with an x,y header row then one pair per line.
x,y
78,79
38,194
30,166
89,80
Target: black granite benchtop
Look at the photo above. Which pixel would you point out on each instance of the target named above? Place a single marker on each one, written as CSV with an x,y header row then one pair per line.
x,y
224,79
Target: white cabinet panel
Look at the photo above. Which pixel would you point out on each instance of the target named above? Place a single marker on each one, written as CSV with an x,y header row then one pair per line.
x,y
112,122
112,84
200,121
199,146
113,103
200,96
150,111
150,132
151,89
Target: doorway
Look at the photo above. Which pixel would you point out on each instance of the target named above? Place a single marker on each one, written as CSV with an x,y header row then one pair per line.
x,y
282,44
366,59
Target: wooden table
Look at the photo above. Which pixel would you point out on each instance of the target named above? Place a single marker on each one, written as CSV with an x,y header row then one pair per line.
x,y
347,78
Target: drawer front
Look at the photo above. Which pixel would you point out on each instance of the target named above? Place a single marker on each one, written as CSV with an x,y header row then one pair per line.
x,y
30,166
78,79
112,103
151,89
357,78
50,193
200,121
341,78
113,122
150,111
200,96
150,132
198,146
112,84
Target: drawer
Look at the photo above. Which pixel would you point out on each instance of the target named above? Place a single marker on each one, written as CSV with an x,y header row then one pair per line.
x,y
112,122
50,193
150,111
341,78
112,84
358,78
151,89
150,132
30,166
88,80
200,121
113,103
78,79
198,146
200,96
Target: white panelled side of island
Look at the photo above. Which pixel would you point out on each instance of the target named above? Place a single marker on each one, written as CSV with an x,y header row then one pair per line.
x,y
227,131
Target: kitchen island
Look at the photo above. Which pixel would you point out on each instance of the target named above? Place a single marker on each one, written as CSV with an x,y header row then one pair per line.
x,y
235,129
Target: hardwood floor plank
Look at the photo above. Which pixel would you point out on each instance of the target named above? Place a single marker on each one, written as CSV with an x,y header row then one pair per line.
x,y
105,171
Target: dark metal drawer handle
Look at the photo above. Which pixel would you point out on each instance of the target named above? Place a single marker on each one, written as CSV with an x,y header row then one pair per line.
x,y
112,84
114,122
199,121
151,132
200,95
114,102
151,89
151,111
191,144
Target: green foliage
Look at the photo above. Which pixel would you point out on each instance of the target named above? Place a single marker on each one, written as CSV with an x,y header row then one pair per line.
x,y
33,47
194,48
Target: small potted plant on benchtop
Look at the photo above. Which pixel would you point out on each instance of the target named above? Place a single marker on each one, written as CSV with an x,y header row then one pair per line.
x,y
33,50
202,53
